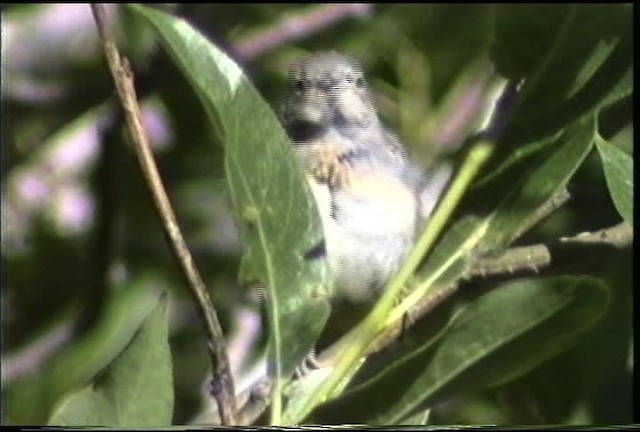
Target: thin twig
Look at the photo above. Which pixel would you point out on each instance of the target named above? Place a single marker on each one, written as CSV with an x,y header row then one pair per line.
x,y
223,386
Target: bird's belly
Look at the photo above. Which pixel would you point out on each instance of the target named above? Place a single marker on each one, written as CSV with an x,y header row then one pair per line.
x,y
366,238
362,264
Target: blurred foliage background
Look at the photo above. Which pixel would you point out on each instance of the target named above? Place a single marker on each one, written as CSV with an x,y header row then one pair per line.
x,y
83,254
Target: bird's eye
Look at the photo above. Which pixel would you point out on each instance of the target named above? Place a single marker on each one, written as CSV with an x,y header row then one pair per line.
x,y
360,82
300,85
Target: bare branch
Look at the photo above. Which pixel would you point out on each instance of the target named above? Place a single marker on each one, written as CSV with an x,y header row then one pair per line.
x,y
566,249
619,237
123,77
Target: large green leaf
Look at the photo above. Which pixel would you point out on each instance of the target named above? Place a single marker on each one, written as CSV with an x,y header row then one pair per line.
x,y
545,176
31,399
136,390
271,200
571,57
499,336
618,170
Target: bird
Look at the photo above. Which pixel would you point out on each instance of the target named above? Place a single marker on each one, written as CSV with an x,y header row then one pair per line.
x,y
372,199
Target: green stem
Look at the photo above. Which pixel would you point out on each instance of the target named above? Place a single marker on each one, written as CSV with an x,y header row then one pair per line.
x,y
375,322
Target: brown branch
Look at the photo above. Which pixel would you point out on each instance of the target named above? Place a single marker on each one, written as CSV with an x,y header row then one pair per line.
x,y
223,386
564,250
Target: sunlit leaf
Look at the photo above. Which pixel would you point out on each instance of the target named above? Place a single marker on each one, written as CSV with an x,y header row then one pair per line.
x,y
546,175
499,336
618,170
30,400
136,390
271,201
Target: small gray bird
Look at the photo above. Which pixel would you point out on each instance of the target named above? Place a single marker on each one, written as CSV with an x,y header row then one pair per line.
x,y
372,199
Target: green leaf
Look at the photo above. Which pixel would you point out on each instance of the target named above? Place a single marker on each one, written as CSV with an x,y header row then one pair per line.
x,y
136,390
31,399
546,175
87,407
623,139
618,171
510,202
572,57
271,201
499,336
622,90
